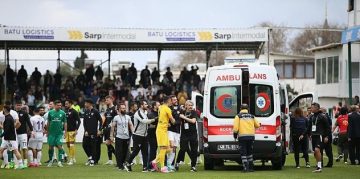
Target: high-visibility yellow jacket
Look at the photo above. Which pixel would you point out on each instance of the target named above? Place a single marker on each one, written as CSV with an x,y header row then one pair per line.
x,y
245,124
76,107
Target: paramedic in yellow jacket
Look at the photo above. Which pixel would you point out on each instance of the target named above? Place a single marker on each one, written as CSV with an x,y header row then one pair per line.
x,y
244,130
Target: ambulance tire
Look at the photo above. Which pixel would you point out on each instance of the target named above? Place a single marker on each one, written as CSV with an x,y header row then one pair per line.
x,y
209,163
219,162
283,159
277,163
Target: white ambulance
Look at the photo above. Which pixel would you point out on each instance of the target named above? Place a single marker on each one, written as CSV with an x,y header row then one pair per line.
x,y
226,88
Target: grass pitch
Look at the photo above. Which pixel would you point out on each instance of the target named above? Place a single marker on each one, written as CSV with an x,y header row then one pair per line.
x,y
230,170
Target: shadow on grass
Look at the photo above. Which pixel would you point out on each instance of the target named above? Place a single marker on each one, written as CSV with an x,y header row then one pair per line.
x,y
231,166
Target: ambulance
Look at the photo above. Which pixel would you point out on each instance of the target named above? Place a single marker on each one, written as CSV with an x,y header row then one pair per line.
x,y
226,88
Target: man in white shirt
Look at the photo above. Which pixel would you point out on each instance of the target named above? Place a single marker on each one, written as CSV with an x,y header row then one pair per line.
x,y
141,90
36,140
134,93
124,127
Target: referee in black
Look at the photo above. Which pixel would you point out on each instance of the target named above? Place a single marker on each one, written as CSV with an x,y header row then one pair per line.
x,y
92,125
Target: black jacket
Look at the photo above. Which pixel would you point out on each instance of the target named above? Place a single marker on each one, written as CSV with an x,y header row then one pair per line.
x,y
176,114
92,121
152,130
298,125
25,122
73,119
354,125
322,125
9,128
109,114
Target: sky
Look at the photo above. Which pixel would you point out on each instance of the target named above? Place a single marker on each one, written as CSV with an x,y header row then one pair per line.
x,y
156,14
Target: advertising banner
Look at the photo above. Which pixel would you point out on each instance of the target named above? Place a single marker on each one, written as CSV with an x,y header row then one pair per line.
x,y
132,35
350,35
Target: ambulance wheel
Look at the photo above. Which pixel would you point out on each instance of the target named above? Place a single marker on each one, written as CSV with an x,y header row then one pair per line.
x,y
208,163
283,159
277,163
219,162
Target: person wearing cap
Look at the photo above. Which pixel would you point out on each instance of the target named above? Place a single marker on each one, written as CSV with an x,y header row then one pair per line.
x,y
244,131
92,125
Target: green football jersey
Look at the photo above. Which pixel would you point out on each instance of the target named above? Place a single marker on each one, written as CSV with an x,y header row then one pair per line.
x,y
56,120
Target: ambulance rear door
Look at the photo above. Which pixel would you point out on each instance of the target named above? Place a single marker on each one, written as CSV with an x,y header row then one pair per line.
x,y
198,101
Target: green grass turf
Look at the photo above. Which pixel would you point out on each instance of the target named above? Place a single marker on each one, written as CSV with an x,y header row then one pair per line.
x,y
231,170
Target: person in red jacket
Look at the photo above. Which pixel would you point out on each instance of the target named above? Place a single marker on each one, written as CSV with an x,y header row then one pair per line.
x,y
341,125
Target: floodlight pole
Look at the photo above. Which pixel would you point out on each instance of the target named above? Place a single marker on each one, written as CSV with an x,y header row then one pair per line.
x,y
16,65
58,60
109,58
5,76
158,59
268,46
208,54
349,73
7,56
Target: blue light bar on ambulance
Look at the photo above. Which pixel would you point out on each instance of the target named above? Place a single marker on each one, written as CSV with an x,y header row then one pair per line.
x,y
239,60
241,65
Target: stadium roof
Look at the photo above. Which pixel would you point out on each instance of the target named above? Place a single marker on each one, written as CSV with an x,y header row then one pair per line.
x,y
120,46
116,39
325,47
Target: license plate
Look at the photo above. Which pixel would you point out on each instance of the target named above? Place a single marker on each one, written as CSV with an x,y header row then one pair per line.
x,y
227,147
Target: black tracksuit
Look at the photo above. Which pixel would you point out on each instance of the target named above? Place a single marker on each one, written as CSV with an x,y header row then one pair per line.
x,y
92,123
321,130
354,136
328,145
152,136
188,138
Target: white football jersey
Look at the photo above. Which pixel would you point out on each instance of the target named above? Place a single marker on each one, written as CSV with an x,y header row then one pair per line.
x,y
38,123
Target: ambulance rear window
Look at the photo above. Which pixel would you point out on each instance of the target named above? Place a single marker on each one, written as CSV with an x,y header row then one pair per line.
x,y
261,100
225,101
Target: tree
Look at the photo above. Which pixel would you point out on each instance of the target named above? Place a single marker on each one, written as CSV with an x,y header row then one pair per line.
x,y
188,57
79,62
291,92
65,70
277,39
312,38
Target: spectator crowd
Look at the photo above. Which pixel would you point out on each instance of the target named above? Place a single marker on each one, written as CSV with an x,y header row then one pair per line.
x,y
38,89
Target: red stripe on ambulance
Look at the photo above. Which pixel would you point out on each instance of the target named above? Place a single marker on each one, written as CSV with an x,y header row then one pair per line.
x,y
228,130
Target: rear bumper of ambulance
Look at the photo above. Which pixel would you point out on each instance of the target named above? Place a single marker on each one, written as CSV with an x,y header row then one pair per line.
x,y
263,150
